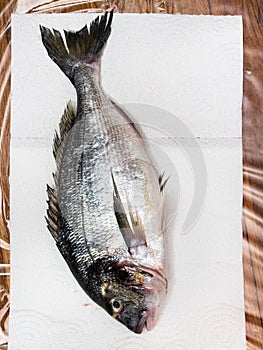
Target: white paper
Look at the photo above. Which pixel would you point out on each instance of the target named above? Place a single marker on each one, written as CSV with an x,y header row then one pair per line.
x,y
191,67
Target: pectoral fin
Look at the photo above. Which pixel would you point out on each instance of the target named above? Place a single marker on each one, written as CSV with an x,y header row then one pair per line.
x,y
137,226
133,236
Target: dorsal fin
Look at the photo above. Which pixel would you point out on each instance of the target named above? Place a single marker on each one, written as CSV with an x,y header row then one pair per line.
x,y
53,211
66,123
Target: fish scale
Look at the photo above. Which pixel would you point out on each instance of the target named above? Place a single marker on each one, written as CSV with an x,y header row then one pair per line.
x,y
106,209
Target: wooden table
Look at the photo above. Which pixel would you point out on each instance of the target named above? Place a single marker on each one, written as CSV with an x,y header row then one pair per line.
x,y
252,12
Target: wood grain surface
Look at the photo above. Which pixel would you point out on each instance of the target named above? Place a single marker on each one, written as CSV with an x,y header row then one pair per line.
x,y
252,12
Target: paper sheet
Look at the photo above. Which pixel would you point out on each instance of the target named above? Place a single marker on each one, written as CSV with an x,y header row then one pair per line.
x,y
181,68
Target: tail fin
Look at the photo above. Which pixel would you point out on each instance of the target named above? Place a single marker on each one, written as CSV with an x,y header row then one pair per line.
x,y
84,45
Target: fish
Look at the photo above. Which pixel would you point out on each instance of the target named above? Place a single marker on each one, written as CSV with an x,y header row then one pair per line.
x,y
106,206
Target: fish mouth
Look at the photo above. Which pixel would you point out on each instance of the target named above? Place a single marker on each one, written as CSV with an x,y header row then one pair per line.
x,y
147,321
142,323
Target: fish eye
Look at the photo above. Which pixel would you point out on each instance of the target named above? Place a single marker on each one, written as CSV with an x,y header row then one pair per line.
x,y
117,305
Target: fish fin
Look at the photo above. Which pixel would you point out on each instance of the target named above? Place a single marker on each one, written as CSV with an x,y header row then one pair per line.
x,y
66,123
121,217
84,45
135,236
160,178
53,213
138,230
162,181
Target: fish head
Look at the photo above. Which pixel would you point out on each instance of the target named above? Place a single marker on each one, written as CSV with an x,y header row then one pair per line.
x,y
134,297
126,306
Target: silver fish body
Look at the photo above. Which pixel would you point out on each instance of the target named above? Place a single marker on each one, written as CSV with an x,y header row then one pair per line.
x,y
106,210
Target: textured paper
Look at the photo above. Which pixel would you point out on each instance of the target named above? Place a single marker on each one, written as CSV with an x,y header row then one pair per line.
x,y
191,66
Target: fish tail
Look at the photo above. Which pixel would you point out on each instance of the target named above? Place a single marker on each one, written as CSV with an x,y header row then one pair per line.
x,y
85,45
